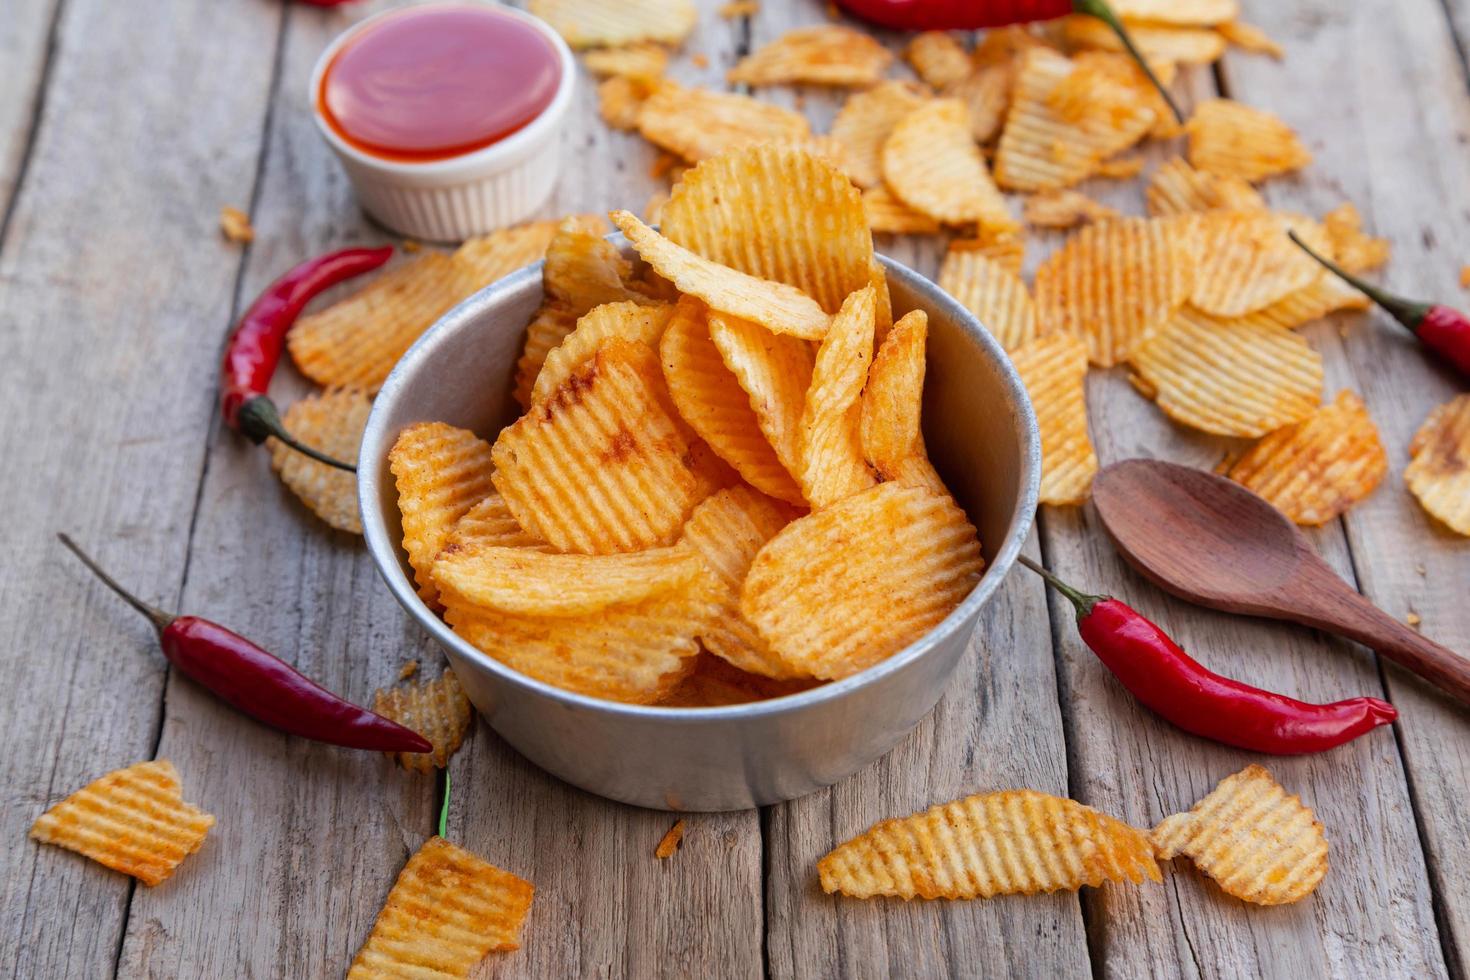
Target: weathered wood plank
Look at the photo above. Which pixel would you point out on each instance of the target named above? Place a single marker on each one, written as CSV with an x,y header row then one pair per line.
x,y
113,283
25,36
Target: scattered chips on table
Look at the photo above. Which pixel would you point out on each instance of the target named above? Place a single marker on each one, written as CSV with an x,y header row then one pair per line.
x,y
829,442
620,100
697,123
596,23
775,370
828,54
1199,13
1178,188
986,93
668,845
1249,37
1014,842
633,61
1327,295
1247,262
441,472
1121,167
1064,209
132,820
1354,250
1315,469
438,710
234,224
931,163
640,321
892,404
1234,140
937,58
864,122
330,422
1229,377
995,294
1054,370
1009,249
848,586
887,214
446,912
1260,843
1439,470
1158,42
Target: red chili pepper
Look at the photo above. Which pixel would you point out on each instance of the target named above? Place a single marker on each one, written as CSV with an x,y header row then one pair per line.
x,y
1444,330
969,15
262,685
254,349
1173,684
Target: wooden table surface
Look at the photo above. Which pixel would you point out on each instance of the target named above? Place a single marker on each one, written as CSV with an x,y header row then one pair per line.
x,y
123,129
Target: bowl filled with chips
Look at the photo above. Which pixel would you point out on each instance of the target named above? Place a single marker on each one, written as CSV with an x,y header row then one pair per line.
x,y
705,516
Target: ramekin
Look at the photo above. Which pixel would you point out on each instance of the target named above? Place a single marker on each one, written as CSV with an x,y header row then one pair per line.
x,y
463,196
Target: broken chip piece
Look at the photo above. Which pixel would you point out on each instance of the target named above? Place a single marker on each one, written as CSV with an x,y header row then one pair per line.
x,y
438,710
330,422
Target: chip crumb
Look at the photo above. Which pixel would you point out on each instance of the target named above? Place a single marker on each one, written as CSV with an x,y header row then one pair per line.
x,y
740,8
1421,569
235,224
1413,619
699,60
410,246
408,670
1465,277
670,842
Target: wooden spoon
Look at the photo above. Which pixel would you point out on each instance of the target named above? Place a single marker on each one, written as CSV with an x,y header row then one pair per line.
x,y
1212,542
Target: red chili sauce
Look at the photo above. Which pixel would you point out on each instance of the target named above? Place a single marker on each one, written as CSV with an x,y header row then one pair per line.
x,y
438,81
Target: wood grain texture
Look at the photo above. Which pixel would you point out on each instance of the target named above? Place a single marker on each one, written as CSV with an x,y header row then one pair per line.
x,y
25,37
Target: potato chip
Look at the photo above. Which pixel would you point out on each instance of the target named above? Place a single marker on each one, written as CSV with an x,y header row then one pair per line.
x,y
1158,42
1230,377
830,443
986,93
709,397
1014,842
829,54
1007,250
1234,140
1353,250
552,324
698,123
1114,284
1248,262
583,269
1260,843
132,820
715,683
1120,168
1327,295
780,214
441,472
1064,209
438,710
775,370
625,321
1205,13
595,23
600,466
863,124
235,225
774,305
846,587
669,843
1054,369
996,296
1439,469
1249,37
496,255
1314,470
332,423
633,60
535,582
620,100
489,522
932,164
886,214
1178,188
739,8
937,58
445,913
893,398
357,341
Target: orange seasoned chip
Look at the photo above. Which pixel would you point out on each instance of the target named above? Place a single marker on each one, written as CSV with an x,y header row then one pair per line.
x,y
1248,262
1064,209
1354,250
438,710
441,472
620,100
937,58
1203,13
893,399
595,23
1014,842
828,54
992,292
1234,140
644,60
583,269
132,820
829,444
1315,469
1121,168
1439,469
331,423
669,843
496,255
1327,295
1053,369
1008,250
932,164
864,122
234,224
1158,42
489,522
775,370
1249,37
697,123
846,587
986,93
1260,843
888,215
446,912
1178,188
644,322
552,324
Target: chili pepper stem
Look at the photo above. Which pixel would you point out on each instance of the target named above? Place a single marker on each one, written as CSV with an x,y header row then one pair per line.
x,y
260,420
1404,311
1083,601
159,618
1104,13
444,806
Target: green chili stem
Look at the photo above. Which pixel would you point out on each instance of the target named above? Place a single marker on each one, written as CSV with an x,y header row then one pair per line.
x,y
444,806
1081,600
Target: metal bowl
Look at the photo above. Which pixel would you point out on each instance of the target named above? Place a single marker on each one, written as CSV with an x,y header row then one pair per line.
x,y
982,436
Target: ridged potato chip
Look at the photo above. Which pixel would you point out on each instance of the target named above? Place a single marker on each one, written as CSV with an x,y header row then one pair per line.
x,y
132,820
829,444
708,396
600,466
1114,284
643,322
931,163
1204,13
644,60
775,370
1158,42
1121,168
1260,843
893,397
887,214
1249,37
1008,250
986,93
846,587
697,123
1327,295
780,214
551,325
332,423
715,683
496,255
1064,209
445,913
620,99
997,296
1439,469
1014,842
1229,377
828,54
937,58
1178,188
1234,140
864,122
775,305
441,472
1247,262
583,269
489,522
668,845
438,710
1054,369
1353,250
1315,469
595,23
